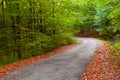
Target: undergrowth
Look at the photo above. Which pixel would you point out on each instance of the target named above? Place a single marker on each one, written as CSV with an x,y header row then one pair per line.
x,y
115,50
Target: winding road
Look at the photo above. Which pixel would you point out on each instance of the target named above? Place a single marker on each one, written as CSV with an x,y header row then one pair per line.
x,y
69,65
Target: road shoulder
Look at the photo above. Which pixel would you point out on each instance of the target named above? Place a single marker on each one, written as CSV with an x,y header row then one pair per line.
x,y
101,66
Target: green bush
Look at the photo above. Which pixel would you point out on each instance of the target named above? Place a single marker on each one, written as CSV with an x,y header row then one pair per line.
x,y
117,46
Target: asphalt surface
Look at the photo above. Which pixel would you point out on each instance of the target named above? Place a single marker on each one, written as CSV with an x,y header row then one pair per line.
x,y
69,65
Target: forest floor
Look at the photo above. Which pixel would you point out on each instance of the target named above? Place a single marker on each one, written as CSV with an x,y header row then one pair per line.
x,y
101,67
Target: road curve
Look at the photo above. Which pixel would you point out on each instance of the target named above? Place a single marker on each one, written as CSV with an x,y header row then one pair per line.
x,y
69,65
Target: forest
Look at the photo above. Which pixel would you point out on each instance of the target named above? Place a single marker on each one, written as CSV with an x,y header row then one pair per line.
x,y
33,27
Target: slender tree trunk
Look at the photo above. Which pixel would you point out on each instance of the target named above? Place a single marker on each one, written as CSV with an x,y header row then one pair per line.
x,y
18,30
4,38
53,15
31,21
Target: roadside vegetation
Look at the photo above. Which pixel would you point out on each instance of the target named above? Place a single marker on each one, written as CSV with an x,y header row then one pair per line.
x,y
117,55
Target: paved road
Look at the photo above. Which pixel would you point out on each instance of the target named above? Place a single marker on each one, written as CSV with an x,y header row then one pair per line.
x,y
69,65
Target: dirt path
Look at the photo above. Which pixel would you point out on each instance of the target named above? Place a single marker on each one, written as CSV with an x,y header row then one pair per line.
x,y
69,65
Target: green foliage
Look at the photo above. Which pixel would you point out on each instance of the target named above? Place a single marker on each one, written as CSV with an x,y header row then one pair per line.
x,y
111,19
33,27
117,47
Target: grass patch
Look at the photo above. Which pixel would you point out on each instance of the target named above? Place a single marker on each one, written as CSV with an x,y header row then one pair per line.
x,y
117,47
